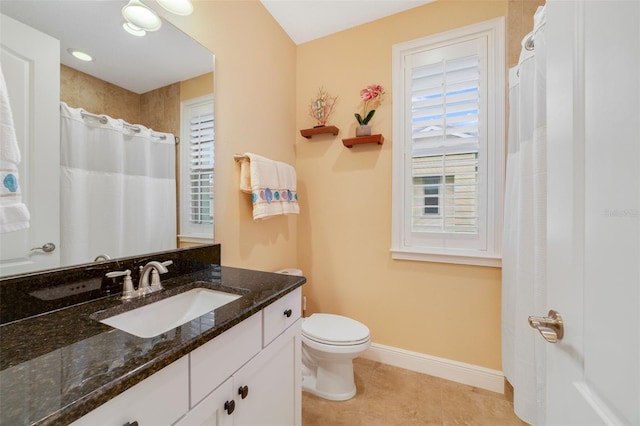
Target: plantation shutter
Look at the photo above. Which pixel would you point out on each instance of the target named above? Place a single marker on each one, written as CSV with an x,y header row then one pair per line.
x,y
201,160
445,92
449,151
447,143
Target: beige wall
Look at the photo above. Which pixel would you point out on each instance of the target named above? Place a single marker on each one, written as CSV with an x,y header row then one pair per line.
x,y
342,237
344,233
255,112
196,87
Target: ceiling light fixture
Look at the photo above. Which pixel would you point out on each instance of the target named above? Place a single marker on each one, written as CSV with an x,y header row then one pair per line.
x,y
178,7
80,55
141,16
134,29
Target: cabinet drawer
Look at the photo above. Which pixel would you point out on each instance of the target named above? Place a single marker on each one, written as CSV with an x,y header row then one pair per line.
x,y
162,398
213,362
280,315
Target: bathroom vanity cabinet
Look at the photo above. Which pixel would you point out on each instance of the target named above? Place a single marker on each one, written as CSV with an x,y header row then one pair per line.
x,y
248,375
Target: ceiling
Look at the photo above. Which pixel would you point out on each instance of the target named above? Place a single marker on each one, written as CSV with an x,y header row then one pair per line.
x,y
306,20
141,64
138,64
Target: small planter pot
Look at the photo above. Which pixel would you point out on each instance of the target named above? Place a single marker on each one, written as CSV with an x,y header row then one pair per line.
x,y
363,130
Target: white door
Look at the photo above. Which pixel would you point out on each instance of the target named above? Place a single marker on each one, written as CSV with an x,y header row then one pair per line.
x,y
31,67
593,92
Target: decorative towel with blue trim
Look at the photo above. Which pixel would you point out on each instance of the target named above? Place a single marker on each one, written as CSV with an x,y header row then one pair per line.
x,y
14,214
272,185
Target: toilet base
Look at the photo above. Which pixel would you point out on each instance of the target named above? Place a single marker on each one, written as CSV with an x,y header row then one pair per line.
x,y
332,381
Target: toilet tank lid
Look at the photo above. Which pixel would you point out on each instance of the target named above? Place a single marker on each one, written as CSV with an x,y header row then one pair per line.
x,y
290,271
334,328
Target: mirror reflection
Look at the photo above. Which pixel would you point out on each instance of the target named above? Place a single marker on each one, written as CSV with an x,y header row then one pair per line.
x,y
101,173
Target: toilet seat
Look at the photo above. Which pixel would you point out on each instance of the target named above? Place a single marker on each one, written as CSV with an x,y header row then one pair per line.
x,y
335,330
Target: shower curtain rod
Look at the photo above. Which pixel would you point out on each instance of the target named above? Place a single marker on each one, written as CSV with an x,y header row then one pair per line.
x,y
104,120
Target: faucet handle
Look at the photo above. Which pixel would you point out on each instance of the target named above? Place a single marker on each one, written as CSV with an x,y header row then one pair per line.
x,y
167,262
127,289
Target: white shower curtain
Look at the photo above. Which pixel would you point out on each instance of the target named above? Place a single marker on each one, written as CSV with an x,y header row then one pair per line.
x,y
117,186
524,244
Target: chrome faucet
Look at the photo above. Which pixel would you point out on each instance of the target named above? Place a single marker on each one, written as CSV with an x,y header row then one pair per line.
x,y
155,269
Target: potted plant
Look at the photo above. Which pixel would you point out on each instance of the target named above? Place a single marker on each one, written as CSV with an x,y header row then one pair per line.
x,y
372,94
322,107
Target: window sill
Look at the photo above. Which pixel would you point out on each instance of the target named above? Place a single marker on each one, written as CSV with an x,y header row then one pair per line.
x,y
475,259
195,239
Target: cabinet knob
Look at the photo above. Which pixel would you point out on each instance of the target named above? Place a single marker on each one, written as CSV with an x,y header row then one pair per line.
x,y
243,391
133,423
229,406
288,313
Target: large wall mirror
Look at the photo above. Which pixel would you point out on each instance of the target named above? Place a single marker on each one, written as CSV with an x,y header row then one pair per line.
x,y
158,86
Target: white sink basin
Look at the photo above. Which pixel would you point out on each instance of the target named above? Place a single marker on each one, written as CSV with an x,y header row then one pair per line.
x,y
159,317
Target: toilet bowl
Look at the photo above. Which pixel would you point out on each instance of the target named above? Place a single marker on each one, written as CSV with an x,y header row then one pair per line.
x,y
329,345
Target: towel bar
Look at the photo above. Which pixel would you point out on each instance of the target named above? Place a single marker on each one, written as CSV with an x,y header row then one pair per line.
x,y
240,157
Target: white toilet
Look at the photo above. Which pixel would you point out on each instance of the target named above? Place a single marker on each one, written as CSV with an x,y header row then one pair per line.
x,y
329,345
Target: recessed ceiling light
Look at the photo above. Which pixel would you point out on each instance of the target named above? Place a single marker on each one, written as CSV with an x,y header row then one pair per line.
x,y
178,7
133,29
141,16
80,55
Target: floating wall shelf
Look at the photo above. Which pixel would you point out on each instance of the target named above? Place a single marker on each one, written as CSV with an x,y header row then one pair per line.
x,y
350,142
309,133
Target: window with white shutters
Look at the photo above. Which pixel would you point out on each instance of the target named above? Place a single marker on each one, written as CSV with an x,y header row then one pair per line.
x,y
448,154
197,166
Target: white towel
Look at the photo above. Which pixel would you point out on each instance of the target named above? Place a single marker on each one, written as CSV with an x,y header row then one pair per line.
x,y
264,184
272,185
14,214
288,188
245,175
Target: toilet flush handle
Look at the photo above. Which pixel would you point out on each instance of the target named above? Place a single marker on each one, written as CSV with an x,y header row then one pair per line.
x,y
288,313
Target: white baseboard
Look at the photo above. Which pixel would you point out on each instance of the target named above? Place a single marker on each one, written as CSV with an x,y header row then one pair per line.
x,y
468,374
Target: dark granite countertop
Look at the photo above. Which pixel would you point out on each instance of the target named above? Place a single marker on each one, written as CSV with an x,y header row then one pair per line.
x,y
59,365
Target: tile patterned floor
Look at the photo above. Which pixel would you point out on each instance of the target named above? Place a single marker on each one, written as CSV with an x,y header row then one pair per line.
x,y
391,396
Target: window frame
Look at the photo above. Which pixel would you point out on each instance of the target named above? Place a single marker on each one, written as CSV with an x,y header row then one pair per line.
x,y
452,248
189,232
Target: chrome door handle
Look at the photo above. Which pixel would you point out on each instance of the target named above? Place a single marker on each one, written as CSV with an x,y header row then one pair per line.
x,y
551,327
46,247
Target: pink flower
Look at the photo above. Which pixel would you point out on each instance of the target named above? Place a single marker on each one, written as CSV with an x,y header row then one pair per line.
x,y
372,92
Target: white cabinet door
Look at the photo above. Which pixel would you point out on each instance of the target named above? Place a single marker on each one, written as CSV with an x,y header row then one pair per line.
x,y
215,361
272,384
215,410
160,399
31,67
